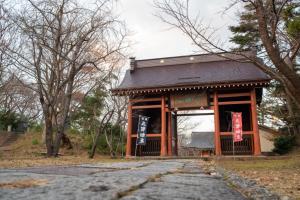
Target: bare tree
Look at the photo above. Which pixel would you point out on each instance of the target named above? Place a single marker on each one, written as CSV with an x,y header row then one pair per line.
x,y
114,113
119,118
6,40
58,38
280,49
17,98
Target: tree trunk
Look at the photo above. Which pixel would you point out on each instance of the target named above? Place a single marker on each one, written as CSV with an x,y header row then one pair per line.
x,y
292,117
57,141
44,134
106,118
109,144
93,150
66,142
298,135
66,108
49,136
112,154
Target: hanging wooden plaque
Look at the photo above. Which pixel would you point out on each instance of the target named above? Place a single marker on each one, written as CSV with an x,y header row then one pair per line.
x,y
192,100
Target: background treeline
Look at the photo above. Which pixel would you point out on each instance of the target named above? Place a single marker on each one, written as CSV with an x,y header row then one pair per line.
x,y
58,61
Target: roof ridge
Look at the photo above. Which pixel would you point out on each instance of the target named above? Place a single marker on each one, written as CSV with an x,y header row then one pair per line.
x,y
190,59
201,54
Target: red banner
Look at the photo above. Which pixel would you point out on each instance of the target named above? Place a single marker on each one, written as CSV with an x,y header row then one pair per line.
x,y
237,126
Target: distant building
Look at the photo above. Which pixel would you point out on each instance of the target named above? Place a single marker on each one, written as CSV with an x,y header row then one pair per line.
x,y
202,144
267,136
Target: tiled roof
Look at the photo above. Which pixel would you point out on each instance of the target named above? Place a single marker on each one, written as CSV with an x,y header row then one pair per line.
x,y
190,72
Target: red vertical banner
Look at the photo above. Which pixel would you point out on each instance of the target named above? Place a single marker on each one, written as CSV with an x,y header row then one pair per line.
x,y
237,126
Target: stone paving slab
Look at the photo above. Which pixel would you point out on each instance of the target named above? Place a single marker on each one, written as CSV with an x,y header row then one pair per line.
x,y
65,170
165,179
188,183
119,165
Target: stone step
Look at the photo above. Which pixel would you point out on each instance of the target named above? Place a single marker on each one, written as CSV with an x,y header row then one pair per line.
x,y
8,139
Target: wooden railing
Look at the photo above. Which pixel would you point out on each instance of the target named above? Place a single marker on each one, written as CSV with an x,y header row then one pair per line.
x,y
152,147
244,147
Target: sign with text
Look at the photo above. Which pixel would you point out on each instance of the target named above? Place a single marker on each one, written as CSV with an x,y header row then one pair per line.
x,y
142,130
194,100
237,126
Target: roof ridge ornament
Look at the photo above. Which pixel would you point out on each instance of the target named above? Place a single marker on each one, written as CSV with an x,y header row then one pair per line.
x,y
132,64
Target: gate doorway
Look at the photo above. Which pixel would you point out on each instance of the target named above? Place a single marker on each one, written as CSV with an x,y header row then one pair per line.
x,y
195,133
182,123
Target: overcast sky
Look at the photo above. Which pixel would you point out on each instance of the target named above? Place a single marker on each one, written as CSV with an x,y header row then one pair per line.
x,y
153,38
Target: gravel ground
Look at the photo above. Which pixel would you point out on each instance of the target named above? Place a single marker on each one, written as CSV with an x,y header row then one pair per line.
x,y
249,187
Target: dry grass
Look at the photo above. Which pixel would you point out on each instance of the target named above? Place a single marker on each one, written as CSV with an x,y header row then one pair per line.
x,y
276,164
26,153
280,175
31,144
24,183
44,161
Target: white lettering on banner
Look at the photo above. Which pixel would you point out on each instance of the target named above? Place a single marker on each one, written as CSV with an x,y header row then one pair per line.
x,y
142,130
237,126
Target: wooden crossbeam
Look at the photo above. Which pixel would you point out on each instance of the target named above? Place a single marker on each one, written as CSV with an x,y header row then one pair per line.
x,y
146,107
194,114
234,102
242,94
145,100
244,133
148,135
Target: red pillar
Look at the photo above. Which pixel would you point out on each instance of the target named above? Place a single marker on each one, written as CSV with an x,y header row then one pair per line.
x,y
169,134
176,136
217,126
129,130
256,139
163,149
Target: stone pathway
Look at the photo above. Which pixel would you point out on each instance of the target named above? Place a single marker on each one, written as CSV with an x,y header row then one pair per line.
x,y
158,179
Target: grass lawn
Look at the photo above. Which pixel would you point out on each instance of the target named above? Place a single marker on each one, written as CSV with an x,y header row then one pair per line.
x,y
281,174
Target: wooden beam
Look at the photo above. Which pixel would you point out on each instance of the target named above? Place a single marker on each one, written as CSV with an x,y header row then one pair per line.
x,y
195,114
129,130
148,135
169,134
217,126
256,140
146,107
145,100
244,133
234,102
241,94
163,149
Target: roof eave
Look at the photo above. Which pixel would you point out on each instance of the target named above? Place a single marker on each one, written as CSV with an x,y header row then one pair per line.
x,y
160,89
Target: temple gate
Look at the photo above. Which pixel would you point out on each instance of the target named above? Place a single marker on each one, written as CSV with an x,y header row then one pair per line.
x,y
159,88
